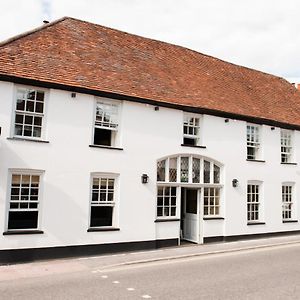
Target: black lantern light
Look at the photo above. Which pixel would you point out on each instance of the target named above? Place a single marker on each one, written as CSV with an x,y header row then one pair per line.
x,y
235,182
145,178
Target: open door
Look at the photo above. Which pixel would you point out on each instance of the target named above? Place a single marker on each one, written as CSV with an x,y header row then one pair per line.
x,y
190,214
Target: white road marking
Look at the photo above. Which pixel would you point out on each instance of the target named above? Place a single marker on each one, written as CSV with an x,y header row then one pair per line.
x,y
146,297
116,281
130,289
104,276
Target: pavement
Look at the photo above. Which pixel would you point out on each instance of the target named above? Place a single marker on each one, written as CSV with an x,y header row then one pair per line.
x,y
100,263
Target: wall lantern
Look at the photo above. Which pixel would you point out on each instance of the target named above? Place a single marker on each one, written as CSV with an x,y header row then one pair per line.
x,y
235,182
145,178
73,95
226,120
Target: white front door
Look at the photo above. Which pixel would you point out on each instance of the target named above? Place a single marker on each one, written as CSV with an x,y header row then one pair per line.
x,y
191,215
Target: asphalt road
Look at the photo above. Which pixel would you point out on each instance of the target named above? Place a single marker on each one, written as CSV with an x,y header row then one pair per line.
x,y
271,273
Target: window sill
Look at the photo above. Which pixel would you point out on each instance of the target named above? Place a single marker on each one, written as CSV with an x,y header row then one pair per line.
x,y
15,138
213,218
103,229
256,160
289,221
193,146
166,220
286,163
256,223
105,147
12,232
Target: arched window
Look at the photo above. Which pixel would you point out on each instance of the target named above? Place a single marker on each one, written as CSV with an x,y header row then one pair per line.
x,y
188,169
178,171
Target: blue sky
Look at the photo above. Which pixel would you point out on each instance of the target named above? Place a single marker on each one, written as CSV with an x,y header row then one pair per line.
x,y
260,34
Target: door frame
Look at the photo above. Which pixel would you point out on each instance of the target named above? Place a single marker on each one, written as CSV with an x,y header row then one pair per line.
x,y
199,223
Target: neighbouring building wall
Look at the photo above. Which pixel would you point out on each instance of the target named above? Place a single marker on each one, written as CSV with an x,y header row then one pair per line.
x,y
145,136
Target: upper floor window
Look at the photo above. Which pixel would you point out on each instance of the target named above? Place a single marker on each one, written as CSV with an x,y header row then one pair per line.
x,y
106,123
253,142
23,208
29,113
286,145
191,130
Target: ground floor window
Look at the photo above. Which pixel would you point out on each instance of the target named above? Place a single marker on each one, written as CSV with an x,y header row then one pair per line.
x,y
102,202
23,209
166,201
211,201
287,201
253,202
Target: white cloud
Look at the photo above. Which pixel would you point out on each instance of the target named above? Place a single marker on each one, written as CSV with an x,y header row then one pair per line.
x,y
257,34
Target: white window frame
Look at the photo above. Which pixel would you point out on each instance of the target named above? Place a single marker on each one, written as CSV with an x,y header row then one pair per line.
x,y
196,137
216,205
290,195
116,129
42,115
287,136
31,172
170,203
199,185
254,140
114,203
259,203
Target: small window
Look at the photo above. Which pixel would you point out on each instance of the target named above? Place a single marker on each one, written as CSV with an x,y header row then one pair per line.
x,y
211,201
103,201
253,142
24,202
286,145
287,201
166,201
253,202
106,124
191,130
29,113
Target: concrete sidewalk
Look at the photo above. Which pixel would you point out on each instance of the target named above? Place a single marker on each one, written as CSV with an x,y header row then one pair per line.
x,y
104,262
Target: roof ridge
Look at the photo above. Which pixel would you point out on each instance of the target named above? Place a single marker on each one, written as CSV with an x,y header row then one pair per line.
x,y
32,31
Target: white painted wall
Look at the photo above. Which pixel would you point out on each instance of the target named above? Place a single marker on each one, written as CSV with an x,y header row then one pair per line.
x,y
146,135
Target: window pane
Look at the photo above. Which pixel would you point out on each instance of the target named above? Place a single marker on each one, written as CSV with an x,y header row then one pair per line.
x,y
206,171
184,173
196,170
102,137
161,170
216,174
23,220
101,216
173,169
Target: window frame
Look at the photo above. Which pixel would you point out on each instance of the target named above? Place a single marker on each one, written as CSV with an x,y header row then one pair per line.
x,y
31,172
257,144
116,140
214,206
289,155
259,184
43,115
292,202
114,204
197,137
164,217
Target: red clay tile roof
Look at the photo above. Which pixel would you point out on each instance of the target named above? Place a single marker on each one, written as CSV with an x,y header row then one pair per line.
x,y
80,54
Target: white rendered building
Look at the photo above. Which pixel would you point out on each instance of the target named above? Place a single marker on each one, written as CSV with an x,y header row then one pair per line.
x,y
111,141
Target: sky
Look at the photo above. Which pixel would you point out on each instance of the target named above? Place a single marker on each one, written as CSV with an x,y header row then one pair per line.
x,y
259,34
